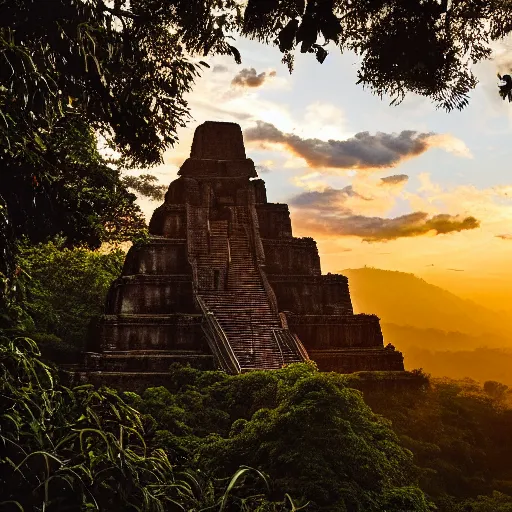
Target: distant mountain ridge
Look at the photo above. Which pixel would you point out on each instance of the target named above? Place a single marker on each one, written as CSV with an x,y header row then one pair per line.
x,y
407,300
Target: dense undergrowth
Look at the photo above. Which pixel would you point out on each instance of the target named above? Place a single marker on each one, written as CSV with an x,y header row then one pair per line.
x,y
64,449
56,294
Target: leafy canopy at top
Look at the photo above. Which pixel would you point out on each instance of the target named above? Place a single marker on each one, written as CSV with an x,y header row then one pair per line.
x,y
125,66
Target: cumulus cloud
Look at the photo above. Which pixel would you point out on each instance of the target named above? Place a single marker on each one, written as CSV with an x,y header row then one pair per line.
x,y
329,213
362,151
248,77
449,143
395,179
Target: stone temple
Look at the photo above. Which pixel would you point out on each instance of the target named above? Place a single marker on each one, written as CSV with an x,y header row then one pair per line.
x,y
222,282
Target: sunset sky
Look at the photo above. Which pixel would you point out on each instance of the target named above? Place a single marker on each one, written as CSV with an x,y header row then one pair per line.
x,y
423,191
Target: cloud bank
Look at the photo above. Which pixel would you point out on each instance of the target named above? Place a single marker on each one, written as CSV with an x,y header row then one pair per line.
x,y
379,229
248,77
327,213
362,151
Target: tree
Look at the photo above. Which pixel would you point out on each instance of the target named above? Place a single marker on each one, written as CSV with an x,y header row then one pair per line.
x,y
496,390
69,190
66,288
67,449
314,436
77,68
146,186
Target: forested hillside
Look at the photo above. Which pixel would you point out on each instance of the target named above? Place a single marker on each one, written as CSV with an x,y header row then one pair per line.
x,y
435,329
404,299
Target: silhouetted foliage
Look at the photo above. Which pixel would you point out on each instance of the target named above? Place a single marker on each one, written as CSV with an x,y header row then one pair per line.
x,y
64,289
461,437
81,448
313,435
506,87
146,185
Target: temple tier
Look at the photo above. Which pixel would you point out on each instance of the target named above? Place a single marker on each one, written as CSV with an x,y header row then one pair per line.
x,y
223,283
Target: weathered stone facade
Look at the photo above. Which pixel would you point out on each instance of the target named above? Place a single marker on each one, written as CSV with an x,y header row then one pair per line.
x,y
222,282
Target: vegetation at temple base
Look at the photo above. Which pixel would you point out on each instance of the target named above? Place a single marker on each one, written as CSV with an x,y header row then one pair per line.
x,y
69,449
57,294
460,433
312,434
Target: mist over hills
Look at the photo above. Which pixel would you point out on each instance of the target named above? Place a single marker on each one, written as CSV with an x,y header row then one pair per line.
x,y
404,299
434,328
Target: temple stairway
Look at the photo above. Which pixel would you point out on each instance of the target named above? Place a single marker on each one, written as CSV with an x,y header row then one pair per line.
x,y
239,301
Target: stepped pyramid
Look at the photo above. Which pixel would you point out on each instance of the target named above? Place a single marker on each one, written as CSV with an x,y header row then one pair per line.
x,y
223,283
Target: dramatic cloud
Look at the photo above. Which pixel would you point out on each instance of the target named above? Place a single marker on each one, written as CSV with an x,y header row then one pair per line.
x,y
363,151
330,212
248,77
396,179
378,229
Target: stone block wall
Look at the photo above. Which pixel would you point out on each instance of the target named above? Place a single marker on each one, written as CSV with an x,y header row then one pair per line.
x,y
182,191
151,295
158,257
260,192
171,332
331,332
274,220
349,361
149,362
309,295
194,167
336,295
169,220
218,141
291,256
